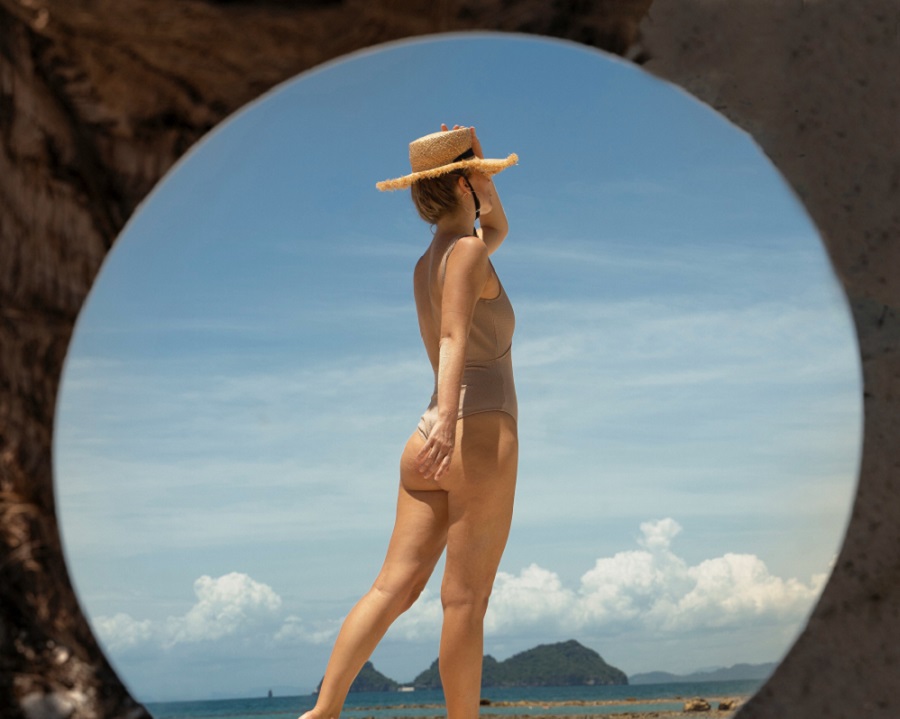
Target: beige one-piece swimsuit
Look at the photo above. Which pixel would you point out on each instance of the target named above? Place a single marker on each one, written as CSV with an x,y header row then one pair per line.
x,y
487,383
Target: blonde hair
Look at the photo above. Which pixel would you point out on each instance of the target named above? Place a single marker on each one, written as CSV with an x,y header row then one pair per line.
x,y
434,197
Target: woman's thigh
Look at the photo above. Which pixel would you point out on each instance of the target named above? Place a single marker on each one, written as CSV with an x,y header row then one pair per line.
x,y
480,495
417,540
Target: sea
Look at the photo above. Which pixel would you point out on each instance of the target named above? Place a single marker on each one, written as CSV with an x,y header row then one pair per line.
x,y
529,701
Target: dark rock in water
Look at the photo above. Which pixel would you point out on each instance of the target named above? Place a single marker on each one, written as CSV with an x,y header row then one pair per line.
x,y
563,664
728,705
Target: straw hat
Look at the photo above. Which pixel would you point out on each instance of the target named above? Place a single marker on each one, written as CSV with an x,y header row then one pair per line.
x,y
442,152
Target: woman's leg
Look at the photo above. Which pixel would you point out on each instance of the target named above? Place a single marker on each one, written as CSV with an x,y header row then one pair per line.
x,y
480,503
418,539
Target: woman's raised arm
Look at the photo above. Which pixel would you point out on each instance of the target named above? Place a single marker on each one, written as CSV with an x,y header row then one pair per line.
x,y
494,225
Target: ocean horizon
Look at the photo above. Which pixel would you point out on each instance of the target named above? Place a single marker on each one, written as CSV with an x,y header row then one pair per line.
x,y
503,702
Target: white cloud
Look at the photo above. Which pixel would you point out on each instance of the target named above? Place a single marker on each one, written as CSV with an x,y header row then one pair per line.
x,y
225,605
735,588
650,590
422,621
122,632
659,535
525,599
296,630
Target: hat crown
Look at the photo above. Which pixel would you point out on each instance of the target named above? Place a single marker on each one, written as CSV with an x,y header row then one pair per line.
x,y
442,152
439,148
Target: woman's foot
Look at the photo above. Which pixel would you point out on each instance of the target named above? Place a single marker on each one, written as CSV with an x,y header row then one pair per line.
x,y
316,713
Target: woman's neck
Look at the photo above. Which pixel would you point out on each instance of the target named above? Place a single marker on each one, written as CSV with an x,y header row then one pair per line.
x,y
456,224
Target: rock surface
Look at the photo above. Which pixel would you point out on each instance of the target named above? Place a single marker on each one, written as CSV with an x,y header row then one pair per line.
x,y
818,85
697,705
98,98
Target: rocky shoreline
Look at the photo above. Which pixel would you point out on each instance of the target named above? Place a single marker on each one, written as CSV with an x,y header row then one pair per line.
x,y
720,707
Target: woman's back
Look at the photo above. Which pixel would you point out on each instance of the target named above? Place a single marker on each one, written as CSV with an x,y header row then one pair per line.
x,y
487,376
492,321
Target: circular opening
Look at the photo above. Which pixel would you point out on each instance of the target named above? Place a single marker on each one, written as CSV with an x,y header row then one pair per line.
x,y
248,367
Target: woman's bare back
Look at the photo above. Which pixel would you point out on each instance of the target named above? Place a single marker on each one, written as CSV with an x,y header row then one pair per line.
x,y
428,285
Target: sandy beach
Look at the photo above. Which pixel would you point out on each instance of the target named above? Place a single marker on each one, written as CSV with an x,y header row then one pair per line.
x,y
604,708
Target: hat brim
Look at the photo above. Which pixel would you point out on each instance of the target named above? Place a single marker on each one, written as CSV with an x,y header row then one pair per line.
x,y
488,167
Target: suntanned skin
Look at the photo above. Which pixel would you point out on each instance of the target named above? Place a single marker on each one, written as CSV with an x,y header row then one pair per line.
x,y
456,489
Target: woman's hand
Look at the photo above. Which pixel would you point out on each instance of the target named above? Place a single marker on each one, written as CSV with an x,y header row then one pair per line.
x,y
476,143
433,460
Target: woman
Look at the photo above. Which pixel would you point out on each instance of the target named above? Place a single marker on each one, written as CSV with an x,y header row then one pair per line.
x,y
458,469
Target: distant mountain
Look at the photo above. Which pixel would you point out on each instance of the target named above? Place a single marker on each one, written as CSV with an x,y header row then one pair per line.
x,y
370,679
553,665
736,672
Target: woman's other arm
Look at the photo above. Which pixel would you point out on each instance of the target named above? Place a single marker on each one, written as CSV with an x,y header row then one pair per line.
x,y
494,225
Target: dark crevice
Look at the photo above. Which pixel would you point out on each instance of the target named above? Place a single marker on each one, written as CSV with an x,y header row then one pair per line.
x,y
108,205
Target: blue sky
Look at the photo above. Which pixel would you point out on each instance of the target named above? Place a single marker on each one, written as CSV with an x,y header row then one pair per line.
x,y
248,367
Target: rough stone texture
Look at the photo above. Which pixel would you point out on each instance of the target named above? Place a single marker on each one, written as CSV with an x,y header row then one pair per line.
x,y
818,85
99,97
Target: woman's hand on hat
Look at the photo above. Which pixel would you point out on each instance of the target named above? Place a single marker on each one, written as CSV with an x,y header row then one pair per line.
x,y
476,143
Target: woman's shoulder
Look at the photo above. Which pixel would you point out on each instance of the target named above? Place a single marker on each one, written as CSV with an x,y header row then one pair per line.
x,y
468,249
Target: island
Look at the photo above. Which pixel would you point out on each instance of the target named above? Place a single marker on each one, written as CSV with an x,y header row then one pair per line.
x,y
370,679
547,665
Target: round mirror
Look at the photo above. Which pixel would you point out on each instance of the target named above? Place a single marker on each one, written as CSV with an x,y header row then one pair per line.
x,y
248,367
